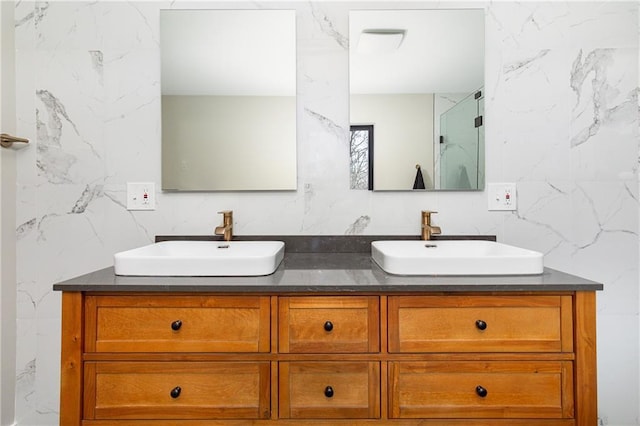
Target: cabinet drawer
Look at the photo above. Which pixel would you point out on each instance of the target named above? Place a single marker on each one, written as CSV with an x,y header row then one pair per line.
x,y
329,390
174,390
177,324
329,324
481,389
480,324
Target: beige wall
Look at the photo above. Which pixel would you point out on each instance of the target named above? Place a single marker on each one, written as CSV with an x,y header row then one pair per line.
x,y
403,137
228,142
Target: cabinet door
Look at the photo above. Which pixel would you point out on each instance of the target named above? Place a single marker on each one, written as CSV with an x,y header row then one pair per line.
x,y
480,389
177,390
177,323
480,324
329,324
329,390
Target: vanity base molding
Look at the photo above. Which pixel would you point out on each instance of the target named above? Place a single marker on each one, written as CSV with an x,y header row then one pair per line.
x,y
452,359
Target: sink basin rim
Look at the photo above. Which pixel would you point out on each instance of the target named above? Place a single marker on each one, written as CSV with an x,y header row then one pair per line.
x,y
201,258
457,258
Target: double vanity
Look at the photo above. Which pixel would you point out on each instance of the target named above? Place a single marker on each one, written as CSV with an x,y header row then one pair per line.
x,y
327,331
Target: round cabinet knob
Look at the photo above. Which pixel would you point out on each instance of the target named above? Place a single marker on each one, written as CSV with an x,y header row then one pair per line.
x,y
328,326
175,326
481,325
482,392
175,392
328,392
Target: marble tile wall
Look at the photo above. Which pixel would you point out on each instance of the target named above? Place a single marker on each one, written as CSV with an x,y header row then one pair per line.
x,y
562,121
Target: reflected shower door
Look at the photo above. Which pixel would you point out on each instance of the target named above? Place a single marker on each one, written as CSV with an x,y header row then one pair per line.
x,y
461,147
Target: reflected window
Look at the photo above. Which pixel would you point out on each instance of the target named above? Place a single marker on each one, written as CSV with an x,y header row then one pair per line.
x,y
361,151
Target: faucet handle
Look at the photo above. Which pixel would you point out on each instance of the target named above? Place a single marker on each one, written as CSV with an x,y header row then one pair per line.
x,y
427,213
227,215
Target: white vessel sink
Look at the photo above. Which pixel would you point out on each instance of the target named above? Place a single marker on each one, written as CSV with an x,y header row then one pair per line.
x,y
451,257
201,258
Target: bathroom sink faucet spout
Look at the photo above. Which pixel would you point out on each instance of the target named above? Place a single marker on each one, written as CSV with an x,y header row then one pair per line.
x,y
427,228
226,230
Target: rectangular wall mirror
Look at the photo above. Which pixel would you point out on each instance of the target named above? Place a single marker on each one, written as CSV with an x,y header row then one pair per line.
x,y
416,86
228,100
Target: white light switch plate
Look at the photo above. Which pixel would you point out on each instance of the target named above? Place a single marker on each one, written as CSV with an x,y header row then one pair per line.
x,y
141,196
502,196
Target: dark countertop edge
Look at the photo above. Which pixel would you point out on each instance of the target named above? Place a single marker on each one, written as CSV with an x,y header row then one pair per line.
x,y
325,281
329,289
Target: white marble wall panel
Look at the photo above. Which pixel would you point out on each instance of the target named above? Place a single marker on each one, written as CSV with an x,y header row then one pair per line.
x,y
617,364
131,125
604,114
532,96
561,121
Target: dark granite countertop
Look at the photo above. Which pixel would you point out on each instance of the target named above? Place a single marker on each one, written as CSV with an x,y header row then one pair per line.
x,y
322,272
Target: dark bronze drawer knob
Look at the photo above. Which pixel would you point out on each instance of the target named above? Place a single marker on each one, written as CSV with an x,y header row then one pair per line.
x,y
175,326
328,392
328,326
481,325
175,392
482,392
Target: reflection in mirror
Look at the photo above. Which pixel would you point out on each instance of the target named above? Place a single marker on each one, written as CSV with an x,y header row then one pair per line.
x,y
228,100
416,78
361,145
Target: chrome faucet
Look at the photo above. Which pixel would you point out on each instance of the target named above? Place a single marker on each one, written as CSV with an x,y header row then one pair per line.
x,y
427,228
226,230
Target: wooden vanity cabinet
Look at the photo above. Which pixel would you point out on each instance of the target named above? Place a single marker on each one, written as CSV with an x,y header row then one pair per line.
x,y
183,323
503,383
481,389
539,323
333,324
329,390
176,390
145,357
328,359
